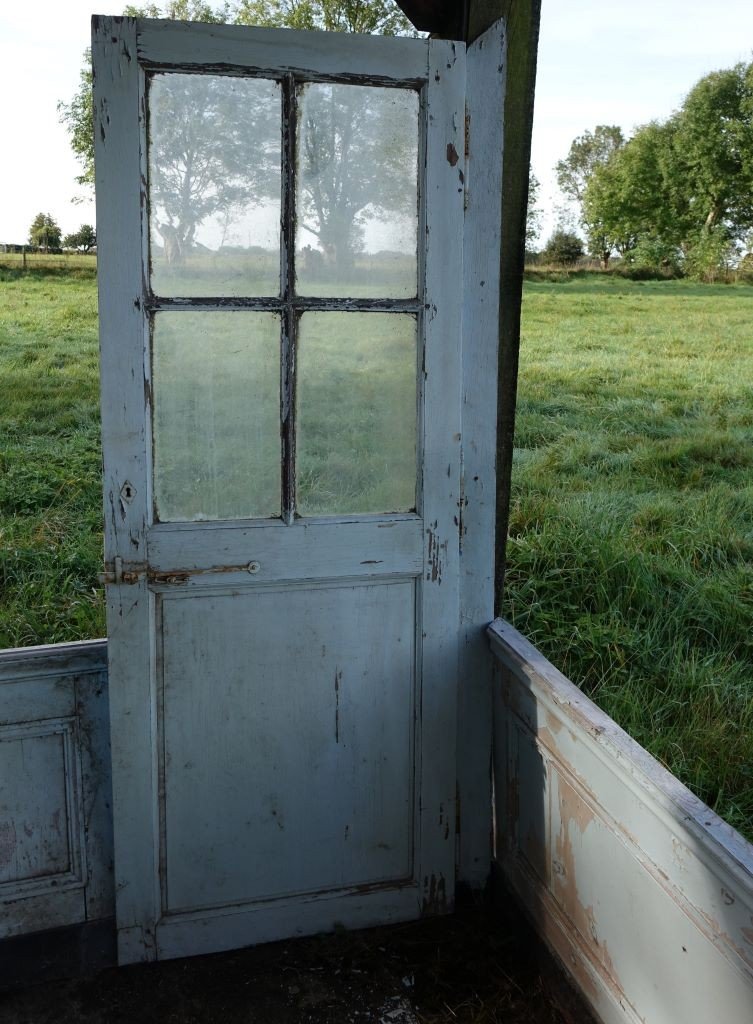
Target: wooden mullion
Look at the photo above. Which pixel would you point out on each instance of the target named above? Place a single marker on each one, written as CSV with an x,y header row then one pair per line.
x,y
289,320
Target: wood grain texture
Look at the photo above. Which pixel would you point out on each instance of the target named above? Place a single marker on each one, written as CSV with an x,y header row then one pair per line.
x,y
483,182
440,610
642,891
55,818
120,162
278,51
182,579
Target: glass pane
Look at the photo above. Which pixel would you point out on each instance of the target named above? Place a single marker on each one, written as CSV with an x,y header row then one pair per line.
x,y
216,418
357,197
356,405
214,185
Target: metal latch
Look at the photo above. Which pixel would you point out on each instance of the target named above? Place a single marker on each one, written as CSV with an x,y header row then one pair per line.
x,y
118,575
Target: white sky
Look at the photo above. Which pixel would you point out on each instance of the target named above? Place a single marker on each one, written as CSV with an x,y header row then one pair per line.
x,y
600,62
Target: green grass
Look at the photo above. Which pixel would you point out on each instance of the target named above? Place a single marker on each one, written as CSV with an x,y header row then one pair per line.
x,y
630,556
50,503
631,533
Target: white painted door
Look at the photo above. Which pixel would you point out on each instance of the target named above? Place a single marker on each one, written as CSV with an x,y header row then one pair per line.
x,y
280,264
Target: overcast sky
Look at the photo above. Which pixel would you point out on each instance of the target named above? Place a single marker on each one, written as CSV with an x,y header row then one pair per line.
x,y
600,62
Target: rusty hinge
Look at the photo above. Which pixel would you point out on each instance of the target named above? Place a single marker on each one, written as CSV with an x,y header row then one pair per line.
x,y
467,134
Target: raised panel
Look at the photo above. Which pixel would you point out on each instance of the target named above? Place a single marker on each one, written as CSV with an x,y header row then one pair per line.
x,y
39,807
528,802
286,719
55,803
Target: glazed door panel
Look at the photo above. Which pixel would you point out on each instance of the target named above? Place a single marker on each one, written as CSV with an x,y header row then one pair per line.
x,y
280,247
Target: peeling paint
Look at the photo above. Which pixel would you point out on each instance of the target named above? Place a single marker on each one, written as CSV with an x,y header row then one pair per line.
x,y
435,896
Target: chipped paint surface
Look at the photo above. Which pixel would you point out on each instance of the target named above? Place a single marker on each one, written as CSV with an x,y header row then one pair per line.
x,y
643,893
55,829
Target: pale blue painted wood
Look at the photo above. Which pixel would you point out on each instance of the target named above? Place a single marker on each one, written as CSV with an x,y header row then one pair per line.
x,y
289,770
55,827
642,891
403,647
194,45
120,159
439,608
486,71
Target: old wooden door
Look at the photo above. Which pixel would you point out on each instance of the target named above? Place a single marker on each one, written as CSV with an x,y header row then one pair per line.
x,y
280,246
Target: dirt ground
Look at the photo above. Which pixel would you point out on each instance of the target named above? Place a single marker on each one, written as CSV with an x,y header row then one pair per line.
x,y
464,969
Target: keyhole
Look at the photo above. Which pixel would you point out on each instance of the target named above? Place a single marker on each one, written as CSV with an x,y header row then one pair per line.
x,y
127,492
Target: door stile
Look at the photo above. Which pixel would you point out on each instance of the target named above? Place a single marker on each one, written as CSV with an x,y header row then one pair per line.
x,y
439,592
119,119
486,71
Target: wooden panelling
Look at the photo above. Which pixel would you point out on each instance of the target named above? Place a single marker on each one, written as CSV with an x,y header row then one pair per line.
x,y
642,891
243,796
55,817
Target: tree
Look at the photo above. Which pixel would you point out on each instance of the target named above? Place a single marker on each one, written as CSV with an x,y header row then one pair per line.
x,y
84,239
348,175
215,146
625,198
44,232
714,153
563,247
381,17
373,17
533,212
78,118
587,152
681,191
205,156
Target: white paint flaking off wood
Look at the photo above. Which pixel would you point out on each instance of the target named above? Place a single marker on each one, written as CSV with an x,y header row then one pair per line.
x,y
55,819
486,69
645,895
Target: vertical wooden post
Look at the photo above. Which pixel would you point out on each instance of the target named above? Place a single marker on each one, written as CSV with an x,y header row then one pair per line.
x,y
522,19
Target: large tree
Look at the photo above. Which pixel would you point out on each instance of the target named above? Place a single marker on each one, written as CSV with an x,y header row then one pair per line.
x,y
587,152
204,160
82,240
381,17
682,190
44,232
533,211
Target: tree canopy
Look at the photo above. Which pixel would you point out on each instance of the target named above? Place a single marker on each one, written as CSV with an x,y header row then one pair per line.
x,y
82,240
680,191
44,232
533,211
382,17
563,247
589,151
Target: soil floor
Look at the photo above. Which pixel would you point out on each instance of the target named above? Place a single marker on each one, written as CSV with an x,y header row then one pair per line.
x,y
470,968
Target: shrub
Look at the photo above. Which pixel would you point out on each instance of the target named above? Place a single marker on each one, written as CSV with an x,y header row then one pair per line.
x,y
564,247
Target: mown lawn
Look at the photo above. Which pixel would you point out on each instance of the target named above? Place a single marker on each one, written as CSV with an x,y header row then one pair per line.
x,y
631,534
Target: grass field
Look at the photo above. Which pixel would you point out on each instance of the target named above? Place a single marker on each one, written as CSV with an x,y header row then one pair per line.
x,y
631,534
